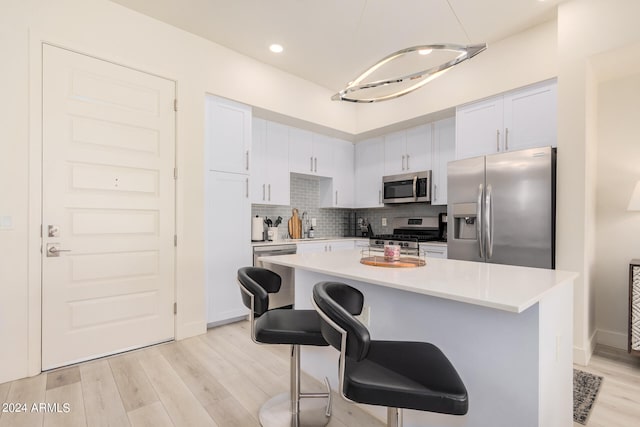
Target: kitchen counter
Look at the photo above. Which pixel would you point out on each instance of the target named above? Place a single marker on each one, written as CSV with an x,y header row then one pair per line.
x,y
307,240
508,331
501,287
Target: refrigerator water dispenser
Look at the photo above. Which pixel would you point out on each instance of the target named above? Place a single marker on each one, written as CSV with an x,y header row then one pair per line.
x,y
465,224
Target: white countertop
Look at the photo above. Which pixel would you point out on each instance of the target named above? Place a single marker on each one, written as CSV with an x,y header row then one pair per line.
x,y
501,287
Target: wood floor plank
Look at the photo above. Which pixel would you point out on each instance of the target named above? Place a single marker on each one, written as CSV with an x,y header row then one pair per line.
x,y
103,406
63,377
181,405
70,394
4,390
26,391
135,389
216,363
204,386
228,412
153,415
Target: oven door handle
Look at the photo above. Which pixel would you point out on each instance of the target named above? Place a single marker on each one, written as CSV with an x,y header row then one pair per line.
x,y
415,187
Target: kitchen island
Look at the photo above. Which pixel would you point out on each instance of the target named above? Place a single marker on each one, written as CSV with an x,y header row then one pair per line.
x,y
507,330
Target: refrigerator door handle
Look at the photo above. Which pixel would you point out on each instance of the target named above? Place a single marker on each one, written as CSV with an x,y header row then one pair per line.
x,y
415,187
489,222
479,224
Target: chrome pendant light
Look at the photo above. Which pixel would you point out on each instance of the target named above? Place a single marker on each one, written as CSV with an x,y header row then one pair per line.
x,y
432,60
389,88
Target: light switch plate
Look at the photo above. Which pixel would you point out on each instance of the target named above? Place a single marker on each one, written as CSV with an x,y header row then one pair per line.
x,y
6,222
384,222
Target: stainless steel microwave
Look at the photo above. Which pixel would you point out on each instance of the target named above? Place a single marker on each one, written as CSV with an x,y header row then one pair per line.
x,y
407,188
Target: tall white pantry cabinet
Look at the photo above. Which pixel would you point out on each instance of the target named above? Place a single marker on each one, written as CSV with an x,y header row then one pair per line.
x,y
228,205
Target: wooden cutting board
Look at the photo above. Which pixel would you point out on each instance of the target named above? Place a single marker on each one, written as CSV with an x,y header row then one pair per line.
x,y
295,225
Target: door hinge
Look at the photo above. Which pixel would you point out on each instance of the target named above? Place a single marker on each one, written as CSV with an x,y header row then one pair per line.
x,y
175,173
175,240
175,104
175,308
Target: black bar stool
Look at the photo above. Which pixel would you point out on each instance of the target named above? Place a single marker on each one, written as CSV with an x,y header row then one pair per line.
x,y
395,374
284,326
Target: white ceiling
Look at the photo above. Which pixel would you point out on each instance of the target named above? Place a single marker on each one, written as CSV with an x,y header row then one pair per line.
x,y
330,42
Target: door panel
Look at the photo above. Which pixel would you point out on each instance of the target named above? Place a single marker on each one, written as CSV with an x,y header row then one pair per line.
x,y
465,186
108,192
521,207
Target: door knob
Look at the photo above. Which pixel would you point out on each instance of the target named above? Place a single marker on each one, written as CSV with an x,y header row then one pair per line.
x,y
53,250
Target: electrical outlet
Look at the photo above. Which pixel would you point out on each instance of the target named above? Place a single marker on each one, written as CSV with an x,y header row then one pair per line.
x,y
384,222
313,222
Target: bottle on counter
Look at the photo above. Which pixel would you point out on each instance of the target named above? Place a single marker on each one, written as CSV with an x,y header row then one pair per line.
x,y
312,232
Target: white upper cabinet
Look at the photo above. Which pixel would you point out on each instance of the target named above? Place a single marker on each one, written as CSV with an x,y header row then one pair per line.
x,y
339,191
300,151
524,118
369,170
531,117
408,150
310,153
478,128
444,151
270,172
228,135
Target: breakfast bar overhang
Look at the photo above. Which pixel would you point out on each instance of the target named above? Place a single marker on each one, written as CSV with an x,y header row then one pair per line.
x,y
508,330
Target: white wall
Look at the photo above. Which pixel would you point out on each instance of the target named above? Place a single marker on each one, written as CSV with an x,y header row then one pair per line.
x,y
618,231
586,29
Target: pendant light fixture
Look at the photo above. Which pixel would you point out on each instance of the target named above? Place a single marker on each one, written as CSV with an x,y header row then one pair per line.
x,y
430,61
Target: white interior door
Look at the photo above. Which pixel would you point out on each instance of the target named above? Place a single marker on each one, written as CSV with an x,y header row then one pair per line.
x,y
108,208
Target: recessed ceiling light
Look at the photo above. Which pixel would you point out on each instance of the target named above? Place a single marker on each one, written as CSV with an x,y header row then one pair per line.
x,y
276,48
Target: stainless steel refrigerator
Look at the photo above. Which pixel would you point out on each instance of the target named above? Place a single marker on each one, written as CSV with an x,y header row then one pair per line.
x,y
502,208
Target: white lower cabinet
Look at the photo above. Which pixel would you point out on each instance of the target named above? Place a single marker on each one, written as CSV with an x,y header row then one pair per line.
x,y
227,243
434,251
324,246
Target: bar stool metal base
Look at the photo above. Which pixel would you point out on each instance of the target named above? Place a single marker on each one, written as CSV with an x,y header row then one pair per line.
x,y
276,412
297,409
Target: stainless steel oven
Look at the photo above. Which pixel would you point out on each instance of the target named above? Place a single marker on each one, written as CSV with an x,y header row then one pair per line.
x,y
407,188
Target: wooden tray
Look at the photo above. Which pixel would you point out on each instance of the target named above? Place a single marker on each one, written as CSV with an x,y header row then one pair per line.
x,y
403,262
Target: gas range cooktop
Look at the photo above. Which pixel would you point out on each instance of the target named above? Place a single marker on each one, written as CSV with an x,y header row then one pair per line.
x,y
409,232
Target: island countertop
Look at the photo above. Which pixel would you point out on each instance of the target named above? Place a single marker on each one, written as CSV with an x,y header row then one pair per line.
x,y
503,287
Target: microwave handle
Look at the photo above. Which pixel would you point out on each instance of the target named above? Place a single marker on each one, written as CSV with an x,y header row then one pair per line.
x,y
415,187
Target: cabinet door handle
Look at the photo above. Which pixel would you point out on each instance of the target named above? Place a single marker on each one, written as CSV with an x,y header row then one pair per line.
x,y
380,196
269,192
247,165
506,139
408,167
264,192
315,160
403,162
311,164
435,192
247,188
497,139
336,197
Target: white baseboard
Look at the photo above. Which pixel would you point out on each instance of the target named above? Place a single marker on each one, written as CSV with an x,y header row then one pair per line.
x,y
190,329
612,339
582,356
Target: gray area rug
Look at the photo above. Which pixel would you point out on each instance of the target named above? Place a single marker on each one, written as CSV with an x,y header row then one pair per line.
x,y
585,390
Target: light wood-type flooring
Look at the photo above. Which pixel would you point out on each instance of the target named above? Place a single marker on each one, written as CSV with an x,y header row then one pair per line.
x,y
222,378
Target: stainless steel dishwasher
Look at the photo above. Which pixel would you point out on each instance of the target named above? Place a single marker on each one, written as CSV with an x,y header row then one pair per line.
x,y
285,297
